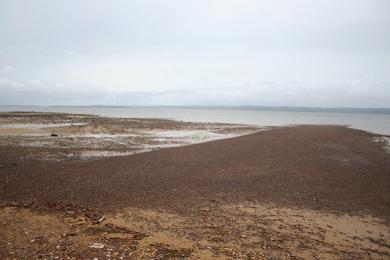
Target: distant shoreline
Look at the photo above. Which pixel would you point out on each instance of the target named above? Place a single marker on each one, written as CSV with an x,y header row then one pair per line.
x,y
357,110
378,123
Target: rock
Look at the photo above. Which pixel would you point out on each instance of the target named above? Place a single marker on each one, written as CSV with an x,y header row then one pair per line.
x,y
54,135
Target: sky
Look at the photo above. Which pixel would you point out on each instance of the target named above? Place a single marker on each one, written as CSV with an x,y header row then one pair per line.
x,y
323,53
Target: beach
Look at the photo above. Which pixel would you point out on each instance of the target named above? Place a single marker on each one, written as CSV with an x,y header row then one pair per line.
x,y
85,186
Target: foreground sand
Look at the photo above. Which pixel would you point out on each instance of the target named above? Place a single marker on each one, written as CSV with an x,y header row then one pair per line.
x,y
299,192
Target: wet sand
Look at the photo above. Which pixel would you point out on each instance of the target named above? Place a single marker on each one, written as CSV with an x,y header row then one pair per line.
x,y
58,137
293,192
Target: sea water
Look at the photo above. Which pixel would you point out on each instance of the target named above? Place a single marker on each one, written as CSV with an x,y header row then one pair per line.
x,y
376,123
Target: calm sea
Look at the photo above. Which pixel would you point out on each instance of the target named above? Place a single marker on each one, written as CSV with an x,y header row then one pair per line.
x,y
376,123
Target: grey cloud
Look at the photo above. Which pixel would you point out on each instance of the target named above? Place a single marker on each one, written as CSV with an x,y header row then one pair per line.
x,y
7,69
206,52
347,94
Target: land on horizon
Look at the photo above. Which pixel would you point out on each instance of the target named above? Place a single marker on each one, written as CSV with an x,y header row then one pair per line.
x,y
373,110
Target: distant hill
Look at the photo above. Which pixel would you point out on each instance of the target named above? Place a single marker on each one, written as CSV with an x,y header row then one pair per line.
x,y
296,109
253,108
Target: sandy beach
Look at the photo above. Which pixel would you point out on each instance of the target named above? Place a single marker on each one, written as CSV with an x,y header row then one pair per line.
x,y
177,190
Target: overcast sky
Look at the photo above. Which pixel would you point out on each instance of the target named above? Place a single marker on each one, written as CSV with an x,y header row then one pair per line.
x,y
204,52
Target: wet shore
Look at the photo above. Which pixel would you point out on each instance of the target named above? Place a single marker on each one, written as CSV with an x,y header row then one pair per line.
x,y
59,137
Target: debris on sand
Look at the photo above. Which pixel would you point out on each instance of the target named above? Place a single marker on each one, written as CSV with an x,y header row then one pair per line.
x,y
97,245
100,220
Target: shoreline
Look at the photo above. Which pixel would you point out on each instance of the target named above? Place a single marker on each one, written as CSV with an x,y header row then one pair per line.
x,y
376,123
292,192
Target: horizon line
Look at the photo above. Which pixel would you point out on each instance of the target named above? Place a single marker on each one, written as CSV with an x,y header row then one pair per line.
x,y
214,106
